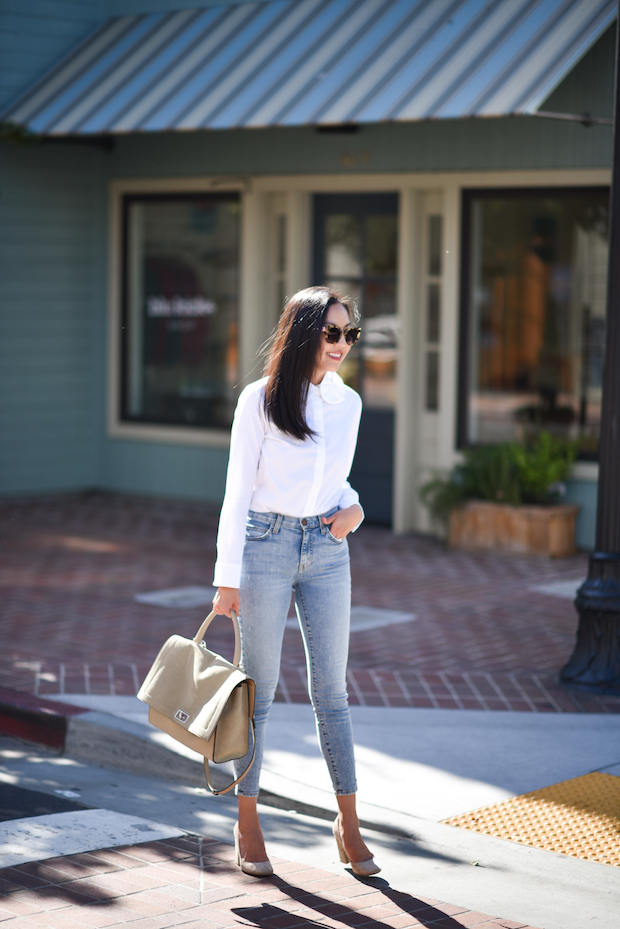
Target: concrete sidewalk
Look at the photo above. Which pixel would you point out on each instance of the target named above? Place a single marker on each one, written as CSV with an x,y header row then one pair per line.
x,y
457,761
416,767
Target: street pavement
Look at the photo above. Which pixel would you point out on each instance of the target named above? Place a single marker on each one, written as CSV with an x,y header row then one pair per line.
x,y
454,708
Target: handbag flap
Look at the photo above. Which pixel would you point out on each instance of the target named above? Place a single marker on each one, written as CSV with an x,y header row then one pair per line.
x,y
208,717
190,685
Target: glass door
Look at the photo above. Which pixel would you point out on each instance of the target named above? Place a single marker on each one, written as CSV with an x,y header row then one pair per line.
x,y
355,251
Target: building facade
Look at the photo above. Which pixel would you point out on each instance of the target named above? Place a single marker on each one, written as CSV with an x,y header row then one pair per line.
x,y
146,254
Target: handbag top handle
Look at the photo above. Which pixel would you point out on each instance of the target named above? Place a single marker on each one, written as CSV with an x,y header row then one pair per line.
x,y
233,618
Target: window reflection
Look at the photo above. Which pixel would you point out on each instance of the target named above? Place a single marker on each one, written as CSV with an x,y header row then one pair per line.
x,y
433,314
343,243
537,311
180,334
435,236
360,260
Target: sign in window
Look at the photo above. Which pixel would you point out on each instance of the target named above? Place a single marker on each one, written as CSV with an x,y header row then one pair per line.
x,y
180,309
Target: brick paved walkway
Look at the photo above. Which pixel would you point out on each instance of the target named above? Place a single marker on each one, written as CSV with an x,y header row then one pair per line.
x,y
482,639
193,882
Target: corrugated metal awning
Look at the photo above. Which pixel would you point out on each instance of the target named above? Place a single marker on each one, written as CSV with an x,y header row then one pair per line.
x,y
298,62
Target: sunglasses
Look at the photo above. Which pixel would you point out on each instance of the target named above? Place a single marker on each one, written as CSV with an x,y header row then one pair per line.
x,y
334,333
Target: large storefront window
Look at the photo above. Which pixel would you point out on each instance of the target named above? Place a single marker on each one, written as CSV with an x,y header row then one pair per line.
x,y
180,309
535,267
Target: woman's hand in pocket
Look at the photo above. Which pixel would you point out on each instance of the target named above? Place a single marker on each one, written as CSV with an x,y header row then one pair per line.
x,y
225,600
344,521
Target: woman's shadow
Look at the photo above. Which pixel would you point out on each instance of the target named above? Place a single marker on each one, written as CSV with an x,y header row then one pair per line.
x,y
273,917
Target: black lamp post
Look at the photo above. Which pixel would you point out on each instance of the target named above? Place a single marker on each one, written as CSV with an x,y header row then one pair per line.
x,y
595,662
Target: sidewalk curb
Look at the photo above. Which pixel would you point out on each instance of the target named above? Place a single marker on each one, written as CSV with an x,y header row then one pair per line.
x,y
98,738
108,741
116,743
33,719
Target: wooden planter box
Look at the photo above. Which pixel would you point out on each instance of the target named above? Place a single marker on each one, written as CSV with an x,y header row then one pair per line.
x,y
525,530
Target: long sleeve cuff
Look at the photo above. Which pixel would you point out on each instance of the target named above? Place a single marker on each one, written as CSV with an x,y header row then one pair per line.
x,y
355,528
227,575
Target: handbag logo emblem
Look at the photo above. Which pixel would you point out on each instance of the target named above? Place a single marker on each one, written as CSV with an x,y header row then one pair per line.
x,y
181,716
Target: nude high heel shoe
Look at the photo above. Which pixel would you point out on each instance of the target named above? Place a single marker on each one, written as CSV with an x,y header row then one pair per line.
x,y
362,868
254,868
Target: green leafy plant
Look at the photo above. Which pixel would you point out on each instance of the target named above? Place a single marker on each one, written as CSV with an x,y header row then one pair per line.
x,y
543,466
508,473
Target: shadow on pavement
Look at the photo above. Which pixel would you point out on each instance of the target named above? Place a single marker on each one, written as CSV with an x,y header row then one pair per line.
x,y
273,916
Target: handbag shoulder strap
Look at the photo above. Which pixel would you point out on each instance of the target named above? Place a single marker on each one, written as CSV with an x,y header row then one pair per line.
x,y
236,659
207,622
225,790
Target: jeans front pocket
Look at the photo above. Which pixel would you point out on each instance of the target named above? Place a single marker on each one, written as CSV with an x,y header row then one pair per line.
x,y
333,538
257,529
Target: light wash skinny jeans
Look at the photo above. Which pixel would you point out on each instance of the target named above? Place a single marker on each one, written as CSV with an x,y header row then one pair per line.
x,y
283,552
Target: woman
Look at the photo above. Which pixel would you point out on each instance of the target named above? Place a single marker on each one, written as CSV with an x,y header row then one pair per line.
x,y
287,511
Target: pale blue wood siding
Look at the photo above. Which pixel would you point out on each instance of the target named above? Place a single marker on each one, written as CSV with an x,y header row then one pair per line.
x,y
50,267
589,88
53,343
521,143
168,470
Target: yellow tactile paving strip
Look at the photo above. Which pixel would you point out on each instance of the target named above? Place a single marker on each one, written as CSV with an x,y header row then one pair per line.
x,y
580,817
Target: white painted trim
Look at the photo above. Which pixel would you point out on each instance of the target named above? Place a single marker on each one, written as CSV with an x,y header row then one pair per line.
x,y
450,326
299,240
173,185
319,183
175,435
114,304
255,240
408,403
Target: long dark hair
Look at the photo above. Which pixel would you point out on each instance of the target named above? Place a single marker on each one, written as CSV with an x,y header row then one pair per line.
x,y
292,357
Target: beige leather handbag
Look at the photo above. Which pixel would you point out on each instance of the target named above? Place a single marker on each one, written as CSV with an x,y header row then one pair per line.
x,y
201,699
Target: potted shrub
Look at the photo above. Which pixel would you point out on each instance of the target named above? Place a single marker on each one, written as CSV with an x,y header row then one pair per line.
x,y
506,497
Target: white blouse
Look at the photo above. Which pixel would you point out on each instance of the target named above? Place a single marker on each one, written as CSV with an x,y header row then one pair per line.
x,y
272,472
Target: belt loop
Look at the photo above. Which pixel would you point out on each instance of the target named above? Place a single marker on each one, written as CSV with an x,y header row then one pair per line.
x,y
278,523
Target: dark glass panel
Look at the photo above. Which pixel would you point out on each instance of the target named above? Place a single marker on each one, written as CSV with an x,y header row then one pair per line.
x,y
433,314
435,237
180,333
381,240
343,246
431,398
360,261
537,295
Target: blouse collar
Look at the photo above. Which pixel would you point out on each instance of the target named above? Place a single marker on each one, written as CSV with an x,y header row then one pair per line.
x,y
331,388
